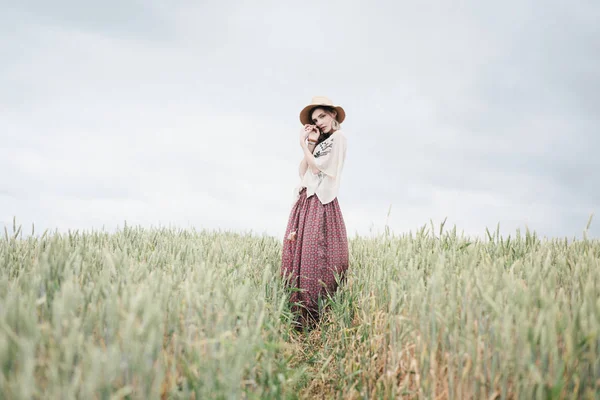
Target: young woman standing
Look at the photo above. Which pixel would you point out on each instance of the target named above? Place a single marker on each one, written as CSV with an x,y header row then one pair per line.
x,y
315,247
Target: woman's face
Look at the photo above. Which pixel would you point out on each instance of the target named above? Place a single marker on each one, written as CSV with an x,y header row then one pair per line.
x,y
323,119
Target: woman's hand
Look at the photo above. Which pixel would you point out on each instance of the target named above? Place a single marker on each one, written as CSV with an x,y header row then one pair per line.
x,y
306,132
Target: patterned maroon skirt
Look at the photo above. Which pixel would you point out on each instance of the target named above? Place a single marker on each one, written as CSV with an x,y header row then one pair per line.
x,y
314,256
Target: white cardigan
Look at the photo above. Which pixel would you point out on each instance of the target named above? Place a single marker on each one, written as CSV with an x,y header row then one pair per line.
x,y
329,156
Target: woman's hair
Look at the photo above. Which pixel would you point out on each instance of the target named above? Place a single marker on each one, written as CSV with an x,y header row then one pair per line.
x,y
322,136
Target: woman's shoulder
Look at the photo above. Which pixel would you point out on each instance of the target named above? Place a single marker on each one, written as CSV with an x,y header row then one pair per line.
x,y
339,135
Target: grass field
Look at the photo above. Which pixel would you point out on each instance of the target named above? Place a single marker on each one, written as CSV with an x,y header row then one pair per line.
x,y
166,313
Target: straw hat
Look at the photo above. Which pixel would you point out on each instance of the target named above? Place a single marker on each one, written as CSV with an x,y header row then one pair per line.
x,y
320,101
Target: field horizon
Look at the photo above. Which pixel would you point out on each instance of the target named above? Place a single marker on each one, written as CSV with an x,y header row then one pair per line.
x,y
374,232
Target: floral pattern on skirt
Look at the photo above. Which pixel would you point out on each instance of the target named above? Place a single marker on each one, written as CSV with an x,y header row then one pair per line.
x,y
315,249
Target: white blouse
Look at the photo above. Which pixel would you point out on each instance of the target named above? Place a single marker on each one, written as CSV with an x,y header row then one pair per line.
x,y
329,156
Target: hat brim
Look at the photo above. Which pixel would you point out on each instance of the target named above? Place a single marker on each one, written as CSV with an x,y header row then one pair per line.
x,y
305,118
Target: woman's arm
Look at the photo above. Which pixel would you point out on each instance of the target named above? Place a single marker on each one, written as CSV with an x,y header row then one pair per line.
x,y
302,168
303,164
309,159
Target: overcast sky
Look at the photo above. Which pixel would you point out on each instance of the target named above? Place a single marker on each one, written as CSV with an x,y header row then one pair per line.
x,y
185,113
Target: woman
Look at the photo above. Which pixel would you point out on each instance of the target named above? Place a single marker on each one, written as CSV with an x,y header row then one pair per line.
x,y
315,246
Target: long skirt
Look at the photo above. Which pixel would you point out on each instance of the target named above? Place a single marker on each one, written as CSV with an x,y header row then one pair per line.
x,y
314,257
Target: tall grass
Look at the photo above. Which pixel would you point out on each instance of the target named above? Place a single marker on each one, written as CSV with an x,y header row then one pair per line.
x,y
168,313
